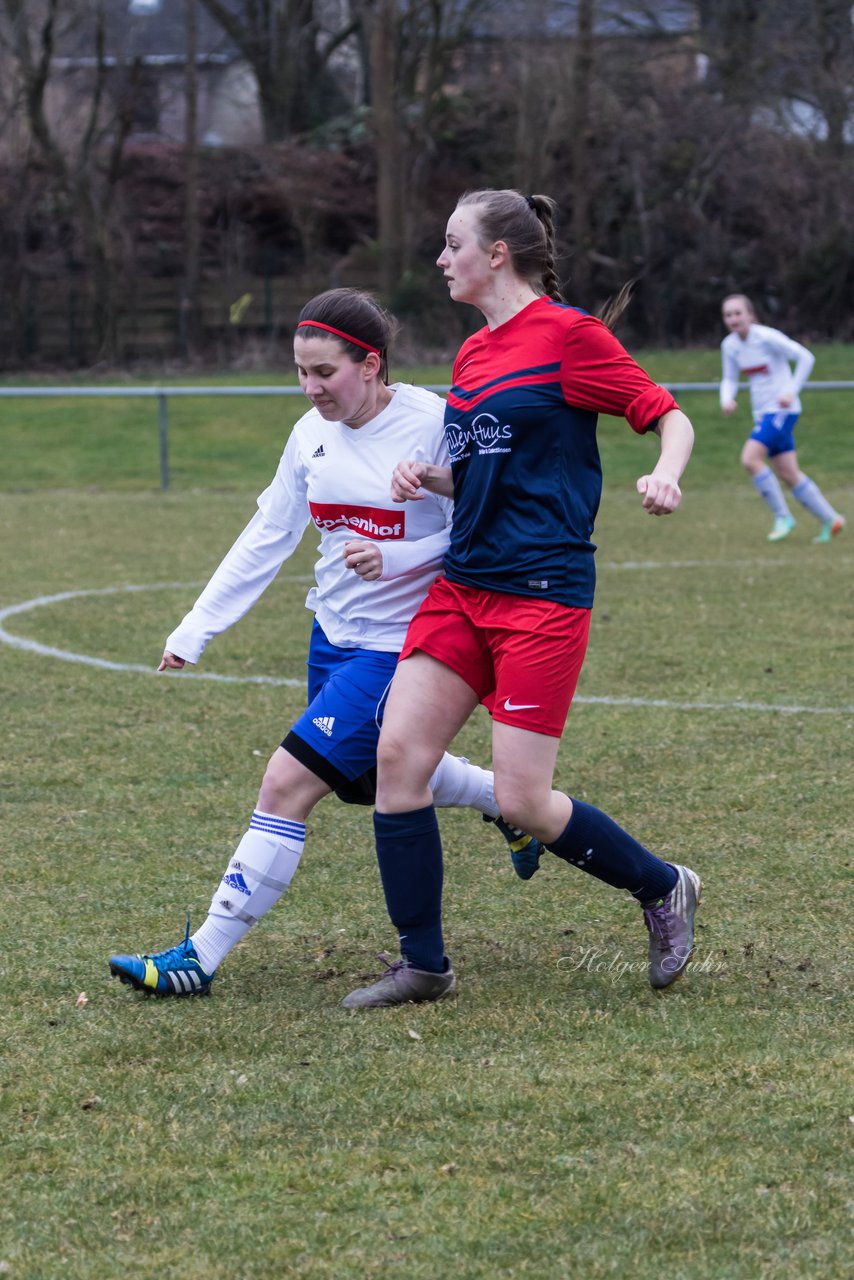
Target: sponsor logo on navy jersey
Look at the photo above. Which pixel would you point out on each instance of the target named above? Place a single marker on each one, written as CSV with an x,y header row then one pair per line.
x,y
371,522
483,435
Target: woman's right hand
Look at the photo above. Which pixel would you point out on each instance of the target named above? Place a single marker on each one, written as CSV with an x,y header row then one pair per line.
x,y
407,480
412,480
170,662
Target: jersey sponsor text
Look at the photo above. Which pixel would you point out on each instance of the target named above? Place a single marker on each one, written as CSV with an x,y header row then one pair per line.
x,y
371,522
485,431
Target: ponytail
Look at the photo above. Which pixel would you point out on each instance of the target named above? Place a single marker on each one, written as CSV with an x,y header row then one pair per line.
x,y
526,225
611,311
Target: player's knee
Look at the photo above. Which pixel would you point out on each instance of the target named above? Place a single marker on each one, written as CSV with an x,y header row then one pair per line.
x,y
404,769
276,785
514,804
393,754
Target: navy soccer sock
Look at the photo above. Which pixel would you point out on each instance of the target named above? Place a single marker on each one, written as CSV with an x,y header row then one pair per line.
x,y
409,851
593,841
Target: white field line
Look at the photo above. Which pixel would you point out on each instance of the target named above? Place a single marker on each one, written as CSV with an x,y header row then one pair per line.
x,y
617,565
66,655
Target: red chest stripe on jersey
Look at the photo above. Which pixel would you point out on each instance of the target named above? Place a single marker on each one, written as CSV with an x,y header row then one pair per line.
x,y
757,368
471,399
367,522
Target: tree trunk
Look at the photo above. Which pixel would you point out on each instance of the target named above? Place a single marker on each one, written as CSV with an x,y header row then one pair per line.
x,y
581,148
97,250
190,292
390,176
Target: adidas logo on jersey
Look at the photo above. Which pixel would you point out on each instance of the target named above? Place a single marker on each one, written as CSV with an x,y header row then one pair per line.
x,y
324,724
318,453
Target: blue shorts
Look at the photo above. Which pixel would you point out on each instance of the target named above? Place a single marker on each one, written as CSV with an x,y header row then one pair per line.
x,y
777,432
347,691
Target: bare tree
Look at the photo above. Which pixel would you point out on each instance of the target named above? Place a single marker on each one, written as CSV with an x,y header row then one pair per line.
x,y
412,47
83,153
289,47
581,148
816,54
384,39
192,233
730,36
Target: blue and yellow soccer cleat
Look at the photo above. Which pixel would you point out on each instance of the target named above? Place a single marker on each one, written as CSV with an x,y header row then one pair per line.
x,y
525,850
177,972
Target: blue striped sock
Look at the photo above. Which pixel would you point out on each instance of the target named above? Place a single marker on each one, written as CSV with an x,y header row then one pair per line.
x,y
810,496
769,487
257,875
279,828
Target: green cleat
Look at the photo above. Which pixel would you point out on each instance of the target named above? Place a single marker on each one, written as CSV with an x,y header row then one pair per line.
x,y
831,529
783,526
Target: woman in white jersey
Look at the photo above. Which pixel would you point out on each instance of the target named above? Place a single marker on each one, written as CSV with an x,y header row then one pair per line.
x,y
376,564
765,357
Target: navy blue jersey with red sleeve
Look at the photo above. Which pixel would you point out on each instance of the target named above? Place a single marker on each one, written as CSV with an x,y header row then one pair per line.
x,y
520,423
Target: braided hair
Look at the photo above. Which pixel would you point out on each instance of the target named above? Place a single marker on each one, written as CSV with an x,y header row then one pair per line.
x,y
526,225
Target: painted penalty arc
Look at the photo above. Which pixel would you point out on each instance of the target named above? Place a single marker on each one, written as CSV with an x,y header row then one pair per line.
x,y
104,664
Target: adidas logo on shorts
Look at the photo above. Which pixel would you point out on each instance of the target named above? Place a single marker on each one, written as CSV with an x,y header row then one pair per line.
x,y
324,724
318,453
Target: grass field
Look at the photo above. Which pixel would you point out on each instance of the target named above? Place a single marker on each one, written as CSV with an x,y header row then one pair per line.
x,y
559,1120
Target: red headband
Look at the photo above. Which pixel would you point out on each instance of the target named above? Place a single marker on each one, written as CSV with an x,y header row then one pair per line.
x,y
339,333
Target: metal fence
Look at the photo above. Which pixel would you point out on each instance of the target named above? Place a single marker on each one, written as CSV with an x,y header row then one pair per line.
x,y
164,394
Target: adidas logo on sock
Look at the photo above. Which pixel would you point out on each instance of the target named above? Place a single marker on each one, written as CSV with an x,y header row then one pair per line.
x,y
324,724
318,453
235,880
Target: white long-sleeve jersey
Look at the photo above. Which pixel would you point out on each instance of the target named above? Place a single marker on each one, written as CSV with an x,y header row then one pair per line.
x,y
338,478
765,358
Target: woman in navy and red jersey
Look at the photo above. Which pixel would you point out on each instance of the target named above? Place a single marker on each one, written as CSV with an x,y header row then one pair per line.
x,y
508,621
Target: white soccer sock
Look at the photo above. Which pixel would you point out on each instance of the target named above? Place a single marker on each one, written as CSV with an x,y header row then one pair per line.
x,y
769,488
459,784
810,496
256,877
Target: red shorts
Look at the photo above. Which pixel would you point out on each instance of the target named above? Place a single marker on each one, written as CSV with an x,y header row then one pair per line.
x,y
521,656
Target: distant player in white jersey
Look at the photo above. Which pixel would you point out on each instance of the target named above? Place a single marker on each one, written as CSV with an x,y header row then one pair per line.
x,y
765,357
376,564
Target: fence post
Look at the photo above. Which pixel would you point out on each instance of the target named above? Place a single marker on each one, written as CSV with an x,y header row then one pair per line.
x,y
163,426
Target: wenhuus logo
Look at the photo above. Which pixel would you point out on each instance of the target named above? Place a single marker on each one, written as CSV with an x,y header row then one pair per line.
x,y
483,435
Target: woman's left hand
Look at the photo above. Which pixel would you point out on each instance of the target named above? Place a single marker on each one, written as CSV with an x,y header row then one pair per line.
x,y
364,558
661,494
